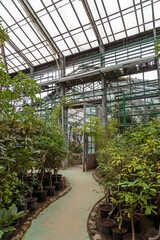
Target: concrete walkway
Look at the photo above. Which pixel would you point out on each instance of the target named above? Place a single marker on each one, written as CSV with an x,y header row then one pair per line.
x,y
66,219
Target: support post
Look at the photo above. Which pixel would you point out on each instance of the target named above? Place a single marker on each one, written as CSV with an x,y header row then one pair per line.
x,y
155,38
104,102
31,71
62,64
84,139
64,123
103,85
124,111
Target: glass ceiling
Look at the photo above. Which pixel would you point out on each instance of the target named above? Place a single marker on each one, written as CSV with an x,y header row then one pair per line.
x,y
43,30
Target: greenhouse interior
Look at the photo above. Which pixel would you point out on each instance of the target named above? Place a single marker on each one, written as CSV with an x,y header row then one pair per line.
x,y
80,119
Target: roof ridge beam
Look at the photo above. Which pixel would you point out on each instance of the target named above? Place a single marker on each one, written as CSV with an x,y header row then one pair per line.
x,y
39,26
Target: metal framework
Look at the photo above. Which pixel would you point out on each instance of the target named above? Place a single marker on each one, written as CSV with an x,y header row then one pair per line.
x,y
71,27
17,50
100,55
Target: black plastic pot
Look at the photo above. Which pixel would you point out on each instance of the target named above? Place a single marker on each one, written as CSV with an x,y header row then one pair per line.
x,y
117,235
128,236
59,178
50,190
41,195
32,204
127,223
58,186
105,210
107,225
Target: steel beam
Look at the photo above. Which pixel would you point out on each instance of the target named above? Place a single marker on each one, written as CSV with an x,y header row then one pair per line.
x,y
104,100
98,71
92,22
155,37
153,17
17,50
40,27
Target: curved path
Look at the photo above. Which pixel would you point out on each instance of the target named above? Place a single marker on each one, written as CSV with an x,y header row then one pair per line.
x,y
66,219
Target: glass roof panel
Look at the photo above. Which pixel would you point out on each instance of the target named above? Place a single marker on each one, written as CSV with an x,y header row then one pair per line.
x,y
67,53
107,27
16,40
101,9
130,20
149,26
58,21
148,14
120,35
8,49
34,38
111,8
101,31
12,10
36,5
80,12
132,31
93,9
61,44
69,17
104,40
74,50
139,14
156,9
50,26
18,6
84,47
126,4
157,23
26,41
5,15
117,25
30,56
69,26
42,61
80,38
47,3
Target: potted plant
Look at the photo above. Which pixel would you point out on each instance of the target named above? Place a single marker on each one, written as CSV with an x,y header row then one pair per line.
x,y
136,194
31,201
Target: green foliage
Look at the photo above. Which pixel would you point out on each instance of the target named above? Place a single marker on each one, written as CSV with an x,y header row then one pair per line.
x,y
101,134
3,35
7,217
51,142
25,141
130,169
157,48
8,189
75,131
